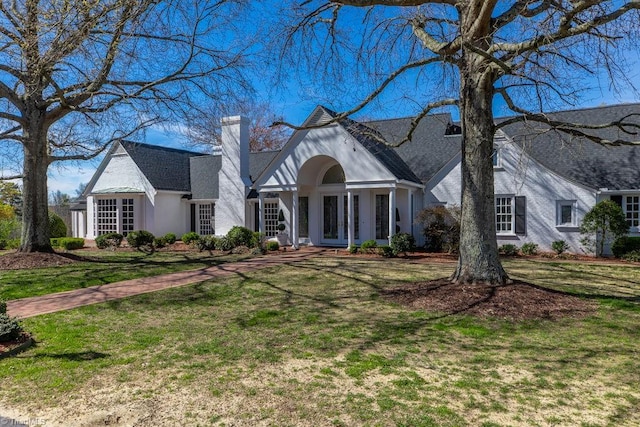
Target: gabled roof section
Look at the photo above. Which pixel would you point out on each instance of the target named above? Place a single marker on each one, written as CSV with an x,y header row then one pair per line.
x,y
165,168
580,159
204,172
429,150
378,146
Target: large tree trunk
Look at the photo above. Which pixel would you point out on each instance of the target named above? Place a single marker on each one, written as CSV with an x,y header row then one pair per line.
x,y
35,210
479,260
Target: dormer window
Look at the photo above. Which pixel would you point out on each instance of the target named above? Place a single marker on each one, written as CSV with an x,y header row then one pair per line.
x,y
452,130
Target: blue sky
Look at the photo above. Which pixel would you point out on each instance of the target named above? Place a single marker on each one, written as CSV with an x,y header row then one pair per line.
x,y
295,97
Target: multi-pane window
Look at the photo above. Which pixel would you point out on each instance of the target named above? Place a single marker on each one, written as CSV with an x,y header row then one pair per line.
x,y
566,213
270,219
205,219
127,216
632,210
382,216
504,215
106,216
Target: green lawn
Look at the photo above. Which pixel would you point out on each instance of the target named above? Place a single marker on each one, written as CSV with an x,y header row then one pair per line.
x,y
102,267
314,344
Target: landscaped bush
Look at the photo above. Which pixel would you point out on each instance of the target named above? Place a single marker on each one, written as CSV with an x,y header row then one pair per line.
x,y
633,256
508,249
353,249
190,238
57,227
602,225
242,236
272,245
10,328
369,246
529,248
70,243
13,243
625,244
402,243
159,242
386,251
225,244
170,238
109,241
3,244
207,243
559,246
141,239
441,228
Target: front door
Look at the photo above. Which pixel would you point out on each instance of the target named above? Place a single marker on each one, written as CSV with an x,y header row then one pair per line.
x,y
335,219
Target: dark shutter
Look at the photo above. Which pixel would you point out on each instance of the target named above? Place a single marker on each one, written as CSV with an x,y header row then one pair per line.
x,y
193,217
256,217
617,200
521,215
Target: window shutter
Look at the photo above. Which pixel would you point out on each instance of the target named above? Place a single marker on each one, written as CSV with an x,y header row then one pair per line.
x,y
521,215
617,200
193,218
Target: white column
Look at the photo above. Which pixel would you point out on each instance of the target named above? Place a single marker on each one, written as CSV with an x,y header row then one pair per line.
x,y
350,219
392,213
260,212
294,220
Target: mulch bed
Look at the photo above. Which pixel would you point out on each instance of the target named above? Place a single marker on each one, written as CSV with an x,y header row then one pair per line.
x,y
21,343
516,301
18,261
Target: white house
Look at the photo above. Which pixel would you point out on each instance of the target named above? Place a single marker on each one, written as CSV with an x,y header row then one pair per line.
x,y
341,183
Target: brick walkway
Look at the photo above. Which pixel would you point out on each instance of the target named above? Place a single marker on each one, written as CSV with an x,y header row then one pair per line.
x,y
34,306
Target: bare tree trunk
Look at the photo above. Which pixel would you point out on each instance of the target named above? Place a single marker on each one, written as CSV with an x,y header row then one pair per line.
x,y
35,213
479,260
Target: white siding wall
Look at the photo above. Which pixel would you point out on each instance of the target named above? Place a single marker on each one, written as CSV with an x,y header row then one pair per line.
x,y
169,214
519,175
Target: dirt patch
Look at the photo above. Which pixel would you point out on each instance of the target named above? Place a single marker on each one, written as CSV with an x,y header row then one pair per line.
x,y
18,260
516,301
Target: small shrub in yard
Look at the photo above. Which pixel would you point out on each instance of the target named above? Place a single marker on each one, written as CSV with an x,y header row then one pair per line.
x,y
71,243
57,227
402,243
529,248
10,328
3,244
559,246
242,236
207,243
633,256
369,246
386,251
190,238
159,242
272,245
624,245
170,238
225,244
508,249
353,249
141,239
109,241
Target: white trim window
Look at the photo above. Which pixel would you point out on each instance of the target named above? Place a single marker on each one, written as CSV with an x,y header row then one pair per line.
x,y
106,216
127,216
496,158
632,210
504,215
270,219
206,226
566,213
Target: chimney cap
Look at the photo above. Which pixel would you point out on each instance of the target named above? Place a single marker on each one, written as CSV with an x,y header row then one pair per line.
x,y
232,120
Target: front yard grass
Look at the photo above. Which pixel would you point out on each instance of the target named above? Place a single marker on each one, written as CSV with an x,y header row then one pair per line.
x,y
313,344
100,268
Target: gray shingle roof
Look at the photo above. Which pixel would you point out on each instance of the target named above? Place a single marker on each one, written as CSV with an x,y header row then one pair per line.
x,y
165,168
580,159
429,149
204,172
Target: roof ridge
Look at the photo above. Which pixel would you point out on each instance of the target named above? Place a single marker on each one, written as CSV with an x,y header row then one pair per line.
x,y
160,147
578,109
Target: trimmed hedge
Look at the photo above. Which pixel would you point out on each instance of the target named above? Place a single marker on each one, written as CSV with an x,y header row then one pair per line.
x,y
57,227
68,243
141,239
402,243
272,245
625,244
109,241
10,328
190,238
